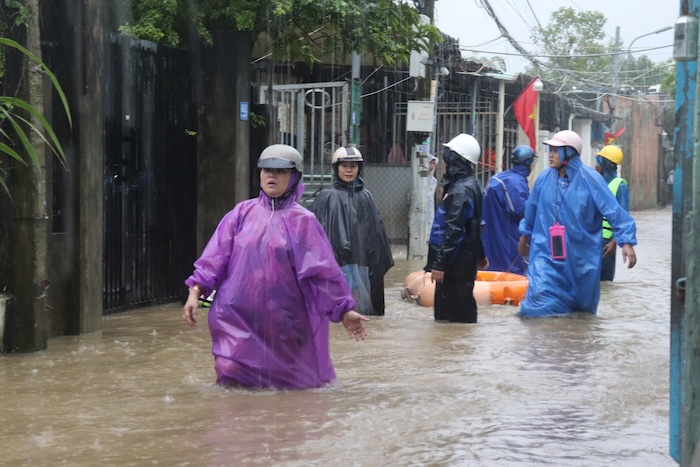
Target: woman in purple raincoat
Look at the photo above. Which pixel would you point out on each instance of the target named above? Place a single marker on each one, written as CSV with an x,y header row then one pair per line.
x,y
277,286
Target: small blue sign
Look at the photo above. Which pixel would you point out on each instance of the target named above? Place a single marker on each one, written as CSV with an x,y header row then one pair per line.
x,y
244,111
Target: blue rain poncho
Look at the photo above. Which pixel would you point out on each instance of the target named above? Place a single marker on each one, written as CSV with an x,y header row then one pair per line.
x,y
578,201
504,206
277,286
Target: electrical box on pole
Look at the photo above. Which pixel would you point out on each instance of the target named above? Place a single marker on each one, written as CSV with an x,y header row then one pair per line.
x,y
685,38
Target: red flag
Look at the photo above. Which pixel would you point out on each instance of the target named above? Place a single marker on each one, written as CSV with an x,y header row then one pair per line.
x,y
610,137
525,109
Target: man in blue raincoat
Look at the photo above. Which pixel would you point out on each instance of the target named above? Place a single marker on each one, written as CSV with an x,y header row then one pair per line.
x,y
504,206
562,233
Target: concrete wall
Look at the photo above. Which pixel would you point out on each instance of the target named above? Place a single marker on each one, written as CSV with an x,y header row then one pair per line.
x,y
91,208
223,140
641,117
640,144
62,252
75,253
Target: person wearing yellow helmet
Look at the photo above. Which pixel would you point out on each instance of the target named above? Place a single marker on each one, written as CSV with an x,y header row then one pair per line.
x,y
607,161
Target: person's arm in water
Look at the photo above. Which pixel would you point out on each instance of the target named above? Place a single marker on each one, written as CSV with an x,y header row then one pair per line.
x,y
609,248
628,255
527,223
352,321
623,197
624,227
189,312
524,246
211,265
483,260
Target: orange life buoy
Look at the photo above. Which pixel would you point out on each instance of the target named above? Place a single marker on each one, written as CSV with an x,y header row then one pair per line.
x,y
507,288
413,284
491,287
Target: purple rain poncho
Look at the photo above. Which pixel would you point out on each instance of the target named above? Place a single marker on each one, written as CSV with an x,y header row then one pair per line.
x,y
277,286
579,202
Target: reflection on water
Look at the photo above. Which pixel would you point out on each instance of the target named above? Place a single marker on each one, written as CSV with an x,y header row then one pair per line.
x,y
577,390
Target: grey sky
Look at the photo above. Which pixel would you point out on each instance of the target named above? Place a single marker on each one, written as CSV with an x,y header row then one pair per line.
x,y
466,20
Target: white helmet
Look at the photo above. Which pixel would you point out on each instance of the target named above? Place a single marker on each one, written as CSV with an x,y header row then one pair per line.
x,y
280,156
566,138
346,154
466,146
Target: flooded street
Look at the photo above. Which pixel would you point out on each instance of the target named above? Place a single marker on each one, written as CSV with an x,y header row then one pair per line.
x,y
575,391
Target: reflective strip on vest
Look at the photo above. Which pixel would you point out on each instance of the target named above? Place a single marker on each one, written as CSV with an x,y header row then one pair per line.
x,y
614,185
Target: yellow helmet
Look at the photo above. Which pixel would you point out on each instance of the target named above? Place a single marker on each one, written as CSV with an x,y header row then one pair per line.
x,y
611,153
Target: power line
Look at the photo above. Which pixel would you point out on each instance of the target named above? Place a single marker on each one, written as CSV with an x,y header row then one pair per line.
x,y
504,32
489,41
385,88
539,25
528,54
535,58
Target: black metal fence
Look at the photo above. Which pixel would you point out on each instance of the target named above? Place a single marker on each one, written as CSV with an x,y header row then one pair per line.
x,y
150,173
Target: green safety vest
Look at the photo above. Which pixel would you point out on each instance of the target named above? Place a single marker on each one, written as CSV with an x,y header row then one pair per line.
x,y
614,185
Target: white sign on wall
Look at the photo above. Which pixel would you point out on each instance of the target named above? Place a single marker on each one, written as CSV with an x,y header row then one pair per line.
x,y
419,116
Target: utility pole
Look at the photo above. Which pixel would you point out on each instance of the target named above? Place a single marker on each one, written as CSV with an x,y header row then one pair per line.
x,y
423,90
355,105
684,413
419,146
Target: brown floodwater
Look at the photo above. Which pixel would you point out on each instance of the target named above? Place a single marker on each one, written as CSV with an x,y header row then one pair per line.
x,y
574,391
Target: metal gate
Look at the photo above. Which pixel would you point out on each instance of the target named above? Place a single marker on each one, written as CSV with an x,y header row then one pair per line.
x,y
453,118
150,174
314,118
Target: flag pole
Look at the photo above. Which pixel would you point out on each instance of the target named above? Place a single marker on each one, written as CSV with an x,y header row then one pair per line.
x,y
538,87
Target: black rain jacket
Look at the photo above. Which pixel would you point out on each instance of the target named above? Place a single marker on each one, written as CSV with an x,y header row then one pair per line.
x,y
455,239
354,227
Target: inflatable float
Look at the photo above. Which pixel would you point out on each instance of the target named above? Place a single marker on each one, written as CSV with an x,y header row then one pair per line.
x,y
491,287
